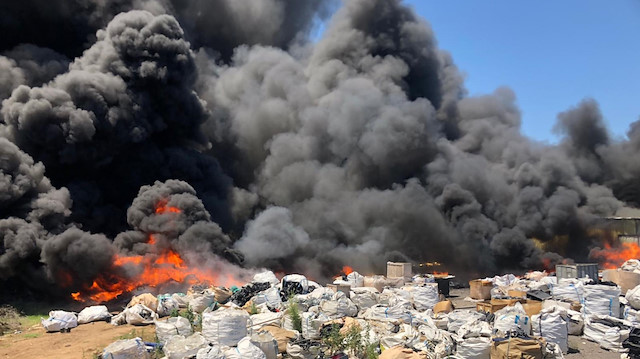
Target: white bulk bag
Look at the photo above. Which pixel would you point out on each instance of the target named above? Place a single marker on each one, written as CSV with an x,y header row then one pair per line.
x,y
225,326
474,348
271,297
179,347
458,318
181,298
265,277
211,352
601,300
511,318
165,329
93,314
58,320
605,331
389,314
257,321
364,297
567,289
125,349
633,297
407,336
575,323
342,307
245,350
267,343
201,301
552,324
296,278
311,324
425,297
166,305
477,328
139,314
355,279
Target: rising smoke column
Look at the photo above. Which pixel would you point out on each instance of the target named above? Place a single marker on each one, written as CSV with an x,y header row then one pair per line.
x,y
358,149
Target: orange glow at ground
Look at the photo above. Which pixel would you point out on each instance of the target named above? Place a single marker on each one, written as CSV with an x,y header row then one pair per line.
x,y
128,273
613,257
150,271
440,274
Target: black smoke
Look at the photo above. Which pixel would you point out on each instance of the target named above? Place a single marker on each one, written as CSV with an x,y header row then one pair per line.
x,y
359,148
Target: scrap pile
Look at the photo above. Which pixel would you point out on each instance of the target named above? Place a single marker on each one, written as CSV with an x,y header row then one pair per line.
x,y
385,317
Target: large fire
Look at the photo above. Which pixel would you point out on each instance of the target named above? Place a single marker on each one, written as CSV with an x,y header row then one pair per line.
x,y
128,273
613,257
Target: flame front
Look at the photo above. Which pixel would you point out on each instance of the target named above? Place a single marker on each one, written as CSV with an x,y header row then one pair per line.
x,y
128,273
613,257
347,270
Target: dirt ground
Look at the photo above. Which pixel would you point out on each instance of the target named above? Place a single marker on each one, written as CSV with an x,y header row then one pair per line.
x,y
81,343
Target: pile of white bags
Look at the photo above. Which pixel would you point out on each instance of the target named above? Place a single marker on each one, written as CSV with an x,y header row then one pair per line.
x,y
59,320
93,314
125,349
601,300
180,347
225,326
552,324
165,329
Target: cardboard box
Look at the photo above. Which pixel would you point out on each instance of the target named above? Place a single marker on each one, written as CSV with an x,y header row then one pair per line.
x,y
626,280
532,307
399,270
480,289
495,305
443,307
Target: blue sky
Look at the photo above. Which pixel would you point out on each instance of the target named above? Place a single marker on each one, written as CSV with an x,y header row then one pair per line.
x,y
551,53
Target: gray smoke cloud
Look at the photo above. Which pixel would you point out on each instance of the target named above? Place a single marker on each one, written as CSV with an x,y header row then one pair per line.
x,y
274,151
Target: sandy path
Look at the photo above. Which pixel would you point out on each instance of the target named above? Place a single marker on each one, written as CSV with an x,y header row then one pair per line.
x,y
82,342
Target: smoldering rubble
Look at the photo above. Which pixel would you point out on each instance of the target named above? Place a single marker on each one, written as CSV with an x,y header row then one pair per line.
x,y
280,151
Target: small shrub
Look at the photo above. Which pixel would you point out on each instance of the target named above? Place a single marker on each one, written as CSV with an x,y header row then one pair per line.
x,y
294,314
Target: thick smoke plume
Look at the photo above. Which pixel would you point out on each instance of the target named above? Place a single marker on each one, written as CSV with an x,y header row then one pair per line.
x,y
275,151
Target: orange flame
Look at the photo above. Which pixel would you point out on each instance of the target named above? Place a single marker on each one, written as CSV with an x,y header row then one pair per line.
x,y
151,270
347,270
613,257
440,274
162,207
